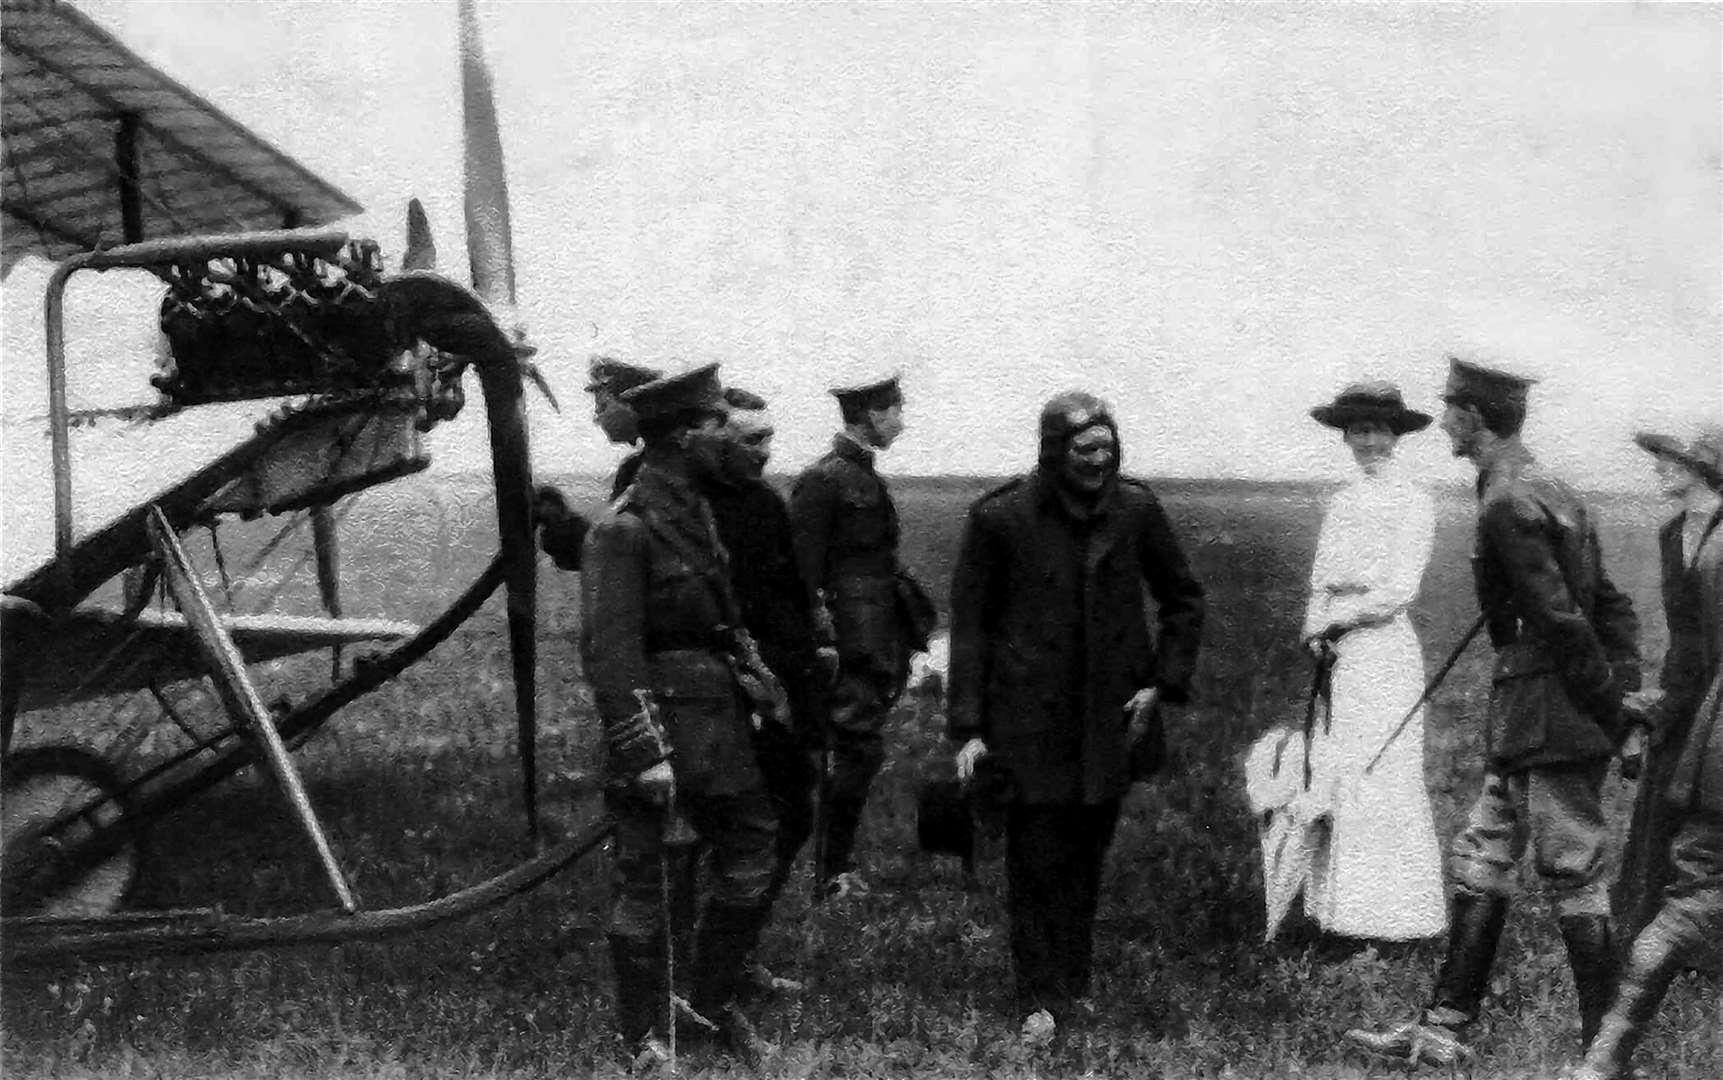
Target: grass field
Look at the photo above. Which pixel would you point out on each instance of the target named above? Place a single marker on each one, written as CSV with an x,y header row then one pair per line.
x,y
419,784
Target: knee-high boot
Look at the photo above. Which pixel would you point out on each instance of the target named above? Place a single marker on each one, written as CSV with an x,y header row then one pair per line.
x,y
641,1004
1472,941
843,820
1439,1035
728,935
1645,977
1591,955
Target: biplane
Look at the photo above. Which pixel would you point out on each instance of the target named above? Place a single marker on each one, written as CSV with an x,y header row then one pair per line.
x,y
322,376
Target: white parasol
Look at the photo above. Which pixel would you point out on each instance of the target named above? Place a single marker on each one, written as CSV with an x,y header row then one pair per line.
x,y
1292,820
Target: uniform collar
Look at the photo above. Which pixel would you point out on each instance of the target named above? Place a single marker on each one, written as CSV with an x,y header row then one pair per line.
x,y
850,448
667,472
1511,461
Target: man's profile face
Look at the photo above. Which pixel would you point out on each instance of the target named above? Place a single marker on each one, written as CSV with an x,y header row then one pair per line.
x,y
1090,456
613,416
885,425
750,434
1462,425
706,444
1675,480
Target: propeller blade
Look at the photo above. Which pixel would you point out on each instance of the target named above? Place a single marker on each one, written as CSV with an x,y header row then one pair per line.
x,y
490,249
421,249
490,245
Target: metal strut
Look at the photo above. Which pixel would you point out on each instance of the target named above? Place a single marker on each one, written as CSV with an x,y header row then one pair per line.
x,y
227,672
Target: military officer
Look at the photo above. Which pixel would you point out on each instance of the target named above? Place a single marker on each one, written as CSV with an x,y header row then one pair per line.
x,y
1566,652
563,530
661,653
777,609
846,535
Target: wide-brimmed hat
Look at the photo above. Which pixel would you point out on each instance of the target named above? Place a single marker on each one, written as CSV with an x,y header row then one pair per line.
x,y
1703,453
1371,401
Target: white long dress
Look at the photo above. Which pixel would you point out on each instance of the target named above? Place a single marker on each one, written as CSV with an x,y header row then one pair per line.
x,y
1380,875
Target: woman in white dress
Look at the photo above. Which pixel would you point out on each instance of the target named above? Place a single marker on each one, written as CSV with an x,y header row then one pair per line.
x,y
1379,875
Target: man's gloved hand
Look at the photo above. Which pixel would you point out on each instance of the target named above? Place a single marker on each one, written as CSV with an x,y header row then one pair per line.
x,y
967,755
549,506
1141,711
826,663
658,784
1632,752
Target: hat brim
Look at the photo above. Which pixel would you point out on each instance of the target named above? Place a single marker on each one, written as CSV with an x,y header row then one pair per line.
x,y
1399,421
1667,446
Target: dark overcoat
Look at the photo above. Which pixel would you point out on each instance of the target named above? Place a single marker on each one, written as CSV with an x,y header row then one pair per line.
x,y
776,605
1050,633
1566,638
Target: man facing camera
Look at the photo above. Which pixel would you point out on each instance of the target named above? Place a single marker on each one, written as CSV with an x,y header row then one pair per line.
x,y
1057,680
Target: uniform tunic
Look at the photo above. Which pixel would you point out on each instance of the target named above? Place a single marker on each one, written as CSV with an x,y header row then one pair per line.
x,y
1566,650
1381,873
652,611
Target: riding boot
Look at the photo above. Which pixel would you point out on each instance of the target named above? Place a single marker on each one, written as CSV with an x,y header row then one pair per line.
x,y
1438,1035
728,936
843,820
683,864
1651,966
1478,920
1591,955
640,999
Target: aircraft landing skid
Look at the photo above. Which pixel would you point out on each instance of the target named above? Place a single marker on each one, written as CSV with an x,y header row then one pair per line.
x,y
132,934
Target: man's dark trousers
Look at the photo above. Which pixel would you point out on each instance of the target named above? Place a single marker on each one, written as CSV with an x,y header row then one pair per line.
x,y
1053,860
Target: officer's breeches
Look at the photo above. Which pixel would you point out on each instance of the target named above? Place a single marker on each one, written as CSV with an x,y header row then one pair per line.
x,y
1554,810
737,831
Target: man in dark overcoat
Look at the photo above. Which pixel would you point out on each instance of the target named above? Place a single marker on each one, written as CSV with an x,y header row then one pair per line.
x,y
777,609
1057,678
562,530
1566,653
1685,927
846,532
660,652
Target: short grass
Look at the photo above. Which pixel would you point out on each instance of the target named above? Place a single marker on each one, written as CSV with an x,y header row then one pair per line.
x,y
418,783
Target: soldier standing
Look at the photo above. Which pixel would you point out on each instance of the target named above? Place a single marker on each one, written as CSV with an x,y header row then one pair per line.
x,y
777,608
563,530
846,534
661,653
1686,777
1566,653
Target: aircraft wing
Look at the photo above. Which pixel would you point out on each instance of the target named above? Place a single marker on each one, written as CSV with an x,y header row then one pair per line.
x,y
93,651
102,148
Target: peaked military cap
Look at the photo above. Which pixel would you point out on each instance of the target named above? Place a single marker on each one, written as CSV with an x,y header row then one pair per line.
x,y
1471,381
674,395
1375,400
1703,454
609,373
882,394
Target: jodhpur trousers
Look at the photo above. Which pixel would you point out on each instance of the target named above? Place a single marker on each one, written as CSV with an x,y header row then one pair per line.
x,y
1556,811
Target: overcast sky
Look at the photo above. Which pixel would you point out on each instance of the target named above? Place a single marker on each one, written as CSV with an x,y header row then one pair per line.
x,y
1212,216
